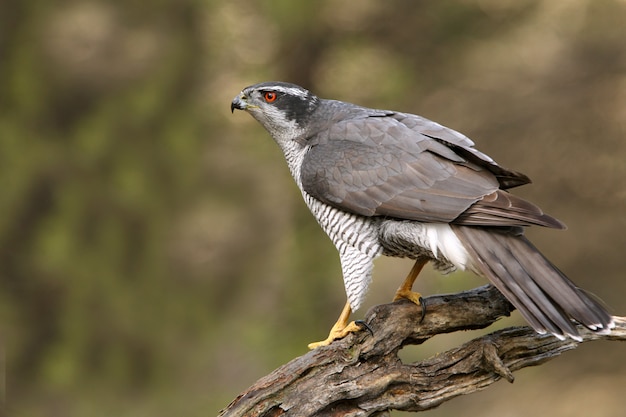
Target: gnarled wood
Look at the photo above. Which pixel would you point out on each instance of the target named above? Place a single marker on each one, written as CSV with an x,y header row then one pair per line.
x,y
361,375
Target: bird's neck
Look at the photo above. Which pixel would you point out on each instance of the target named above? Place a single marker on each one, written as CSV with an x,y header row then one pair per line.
x,y
294,154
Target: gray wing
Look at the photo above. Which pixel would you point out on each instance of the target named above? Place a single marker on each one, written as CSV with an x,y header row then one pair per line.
x,y
382,166
462,145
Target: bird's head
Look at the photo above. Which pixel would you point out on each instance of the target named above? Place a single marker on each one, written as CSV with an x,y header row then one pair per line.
x,y
283,109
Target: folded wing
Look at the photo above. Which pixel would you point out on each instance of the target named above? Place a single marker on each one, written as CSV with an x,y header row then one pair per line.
x,y
389,166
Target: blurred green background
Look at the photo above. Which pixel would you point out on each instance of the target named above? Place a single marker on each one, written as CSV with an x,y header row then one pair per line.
x,y
156,258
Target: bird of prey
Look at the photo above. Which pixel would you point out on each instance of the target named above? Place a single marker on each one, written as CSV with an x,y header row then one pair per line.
x,y
383,182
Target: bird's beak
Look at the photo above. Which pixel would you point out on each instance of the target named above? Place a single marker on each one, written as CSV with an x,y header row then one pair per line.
x,y
238,103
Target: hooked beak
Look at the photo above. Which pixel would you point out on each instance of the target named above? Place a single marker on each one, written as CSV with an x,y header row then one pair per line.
x,y
238,103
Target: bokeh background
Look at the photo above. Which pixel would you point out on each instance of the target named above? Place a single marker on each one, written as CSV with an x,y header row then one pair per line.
x,y
156,258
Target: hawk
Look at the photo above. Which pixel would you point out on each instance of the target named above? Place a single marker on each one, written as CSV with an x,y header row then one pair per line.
x,y
382,182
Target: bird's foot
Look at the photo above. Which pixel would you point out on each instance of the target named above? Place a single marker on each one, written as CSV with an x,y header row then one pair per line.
x,y
414,297
338,332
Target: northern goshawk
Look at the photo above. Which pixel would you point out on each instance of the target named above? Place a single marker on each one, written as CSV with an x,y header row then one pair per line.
x,y
382,182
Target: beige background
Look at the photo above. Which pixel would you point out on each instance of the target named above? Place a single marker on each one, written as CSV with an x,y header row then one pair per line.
x,y
156,257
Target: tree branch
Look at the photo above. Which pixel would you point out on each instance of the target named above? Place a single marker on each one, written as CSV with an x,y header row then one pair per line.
x,y
361,375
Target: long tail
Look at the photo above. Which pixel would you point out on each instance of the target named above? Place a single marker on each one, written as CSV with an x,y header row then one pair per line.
x,y
544,296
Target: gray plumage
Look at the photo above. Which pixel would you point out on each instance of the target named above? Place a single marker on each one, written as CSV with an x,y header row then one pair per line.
x,y
385,182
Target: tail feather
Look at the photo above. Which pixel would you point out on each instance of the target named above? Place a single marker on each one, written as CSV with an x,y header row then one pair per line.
x,y
544,296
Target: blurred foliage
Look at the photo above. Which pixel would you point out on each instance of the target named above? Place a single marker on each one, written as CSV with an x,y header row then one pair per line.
x,y
155,256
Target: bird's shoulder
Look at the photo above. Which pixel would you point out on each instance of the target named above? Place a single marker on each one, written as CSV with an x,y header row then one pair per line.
x,y
378,162
361,127
369,162
402,133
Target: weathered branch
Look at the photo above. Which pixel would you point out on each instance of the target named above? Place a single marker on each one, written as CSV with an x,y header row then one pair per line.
x,y
362,375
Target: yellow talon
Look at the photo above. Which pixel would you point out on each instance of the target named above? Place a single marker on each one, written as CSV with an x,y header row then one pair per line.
x,y
406,289
341,328
336,334
412,296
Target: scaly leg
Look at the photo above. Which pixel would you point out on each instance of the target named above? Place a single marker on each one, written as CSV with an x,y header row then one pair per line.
x,y
406,289
341,328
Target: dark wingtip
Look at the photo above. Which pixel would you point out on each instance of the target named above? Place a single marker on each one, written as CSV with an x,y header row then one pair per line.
x,y
553,222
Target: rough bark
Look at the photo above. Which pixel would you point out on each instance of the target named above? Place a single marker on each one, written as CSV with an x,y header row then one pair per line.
x,y
361,375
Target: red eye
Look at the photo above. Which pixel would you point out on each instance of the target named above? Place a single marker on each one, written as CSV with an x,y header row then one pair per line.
x,y
270,96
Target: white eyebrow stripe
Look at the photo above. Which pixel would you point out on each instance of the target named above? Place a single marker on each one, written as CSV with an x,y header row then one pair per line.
x,y
286,90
